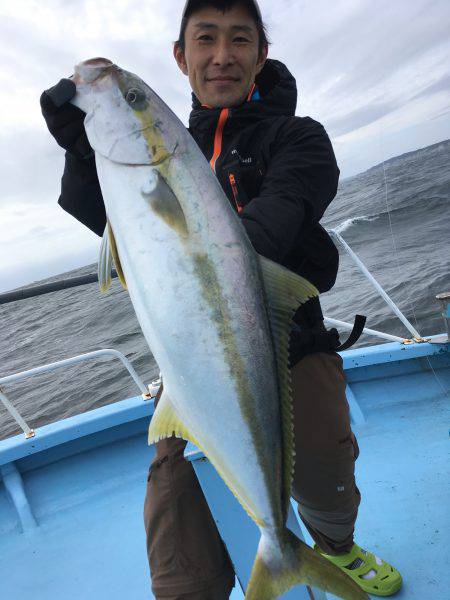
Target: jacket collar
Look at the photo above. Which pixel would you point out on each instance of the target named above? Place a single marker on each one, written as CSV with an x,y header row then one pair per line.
x,y
278,97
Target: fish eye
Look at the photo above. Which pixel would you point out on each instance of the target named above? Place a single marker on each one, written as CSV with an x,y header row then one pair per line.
x,y
134,95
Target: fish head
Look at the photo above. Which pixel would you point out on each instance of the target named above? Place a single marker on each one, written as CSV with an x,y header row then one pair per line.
x,y
126,121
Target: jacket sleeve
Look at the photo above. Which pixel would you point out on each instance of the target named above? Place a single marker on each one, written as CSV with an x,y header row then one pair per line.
x,y
81,195
300,182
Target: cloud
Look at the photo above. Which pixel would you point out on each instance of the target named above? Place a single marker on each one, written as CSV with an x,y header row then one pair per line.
x,y
362,116
357,61
31,164
441,85
375,73
38,240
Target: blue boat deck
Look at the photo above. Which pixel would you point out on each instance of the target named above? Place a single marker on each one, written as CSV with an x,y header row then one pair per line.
x,y
75,529
402,473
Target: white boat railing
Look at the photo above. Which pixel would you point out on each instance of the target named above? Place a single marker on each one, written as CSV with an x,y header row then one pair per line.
x,y
107,352
380,334
371,279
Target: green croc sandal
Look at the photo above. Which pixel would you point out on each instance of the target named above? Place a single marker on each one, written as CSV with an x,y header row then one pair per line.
x,y
359,563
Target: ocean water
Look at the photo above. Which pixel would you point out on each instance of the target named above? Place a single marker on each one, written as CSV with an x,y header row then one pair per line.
x,y
395,216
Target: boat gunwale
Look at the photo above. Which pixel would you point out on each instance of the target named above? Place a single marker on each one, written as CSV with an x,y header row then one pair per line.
x,y
135,408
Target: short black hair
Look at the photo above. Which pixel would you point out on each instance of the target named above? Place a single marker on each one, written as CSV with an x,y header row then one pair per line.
x,y
224,6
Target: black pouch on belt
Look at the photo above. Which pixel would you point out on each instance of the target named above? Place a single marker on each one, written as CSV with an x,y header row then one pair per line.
x,y
309,334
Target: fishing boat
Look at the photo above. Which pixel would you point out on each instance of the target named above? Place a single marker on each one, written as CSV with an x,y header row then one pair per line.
x,y
71,492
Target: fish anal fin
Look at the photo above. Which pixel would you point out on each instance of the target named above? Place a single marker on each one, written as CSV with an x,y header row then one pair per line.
x,y
115,255
285,292
166,423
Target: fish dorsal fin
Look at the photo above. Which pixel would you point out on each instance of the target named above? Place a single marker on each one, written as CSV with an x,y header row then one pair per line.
x,y
108,254
285,292
104,263
165,423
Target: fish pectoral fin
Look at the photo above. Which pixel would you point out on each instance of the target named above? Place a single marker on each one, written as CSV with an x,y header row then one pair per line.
x,y
115,255
164,203
104,263
285,292
165,423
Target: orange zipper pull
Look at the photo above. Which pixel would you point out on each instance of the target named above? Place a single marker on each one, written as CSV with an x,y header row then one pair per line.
x,y
235,192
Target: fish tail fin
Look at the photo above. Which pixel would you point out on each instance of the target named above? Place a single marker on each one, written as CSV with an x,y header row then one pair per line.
x,y
277,569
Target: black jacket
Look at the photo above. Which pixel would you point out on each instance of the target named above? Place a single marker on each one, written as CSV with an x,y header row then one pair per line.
x,y
278,170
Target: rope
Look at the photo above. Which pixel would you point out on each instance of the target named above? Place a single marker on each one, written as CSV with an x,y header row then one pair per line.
x,y
394,245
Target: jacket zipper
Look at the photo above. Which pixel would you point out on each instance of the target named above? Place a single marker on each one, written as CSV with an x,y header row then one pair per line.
x,y
235,191
218,137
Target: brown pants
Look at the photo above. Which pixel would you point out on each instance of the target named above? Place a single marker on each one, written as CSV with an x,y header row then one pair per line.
x,y
188,560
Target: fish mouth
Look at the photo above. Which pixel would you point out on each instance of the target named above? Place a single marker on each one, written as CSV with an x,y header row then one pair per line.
x,y
97,62
90,70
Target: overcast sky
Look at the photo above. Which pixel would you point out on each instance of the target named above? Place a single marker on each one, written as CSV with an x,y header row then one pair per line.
x,y
375,73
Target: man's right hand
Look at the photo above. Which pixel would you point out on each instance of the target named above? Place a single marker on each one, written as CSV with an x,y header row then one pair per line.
x,y
64,120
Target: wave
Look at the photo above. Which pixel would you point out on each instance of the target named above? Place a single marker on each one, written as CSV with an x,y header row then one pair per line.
x,y
414,210
354,221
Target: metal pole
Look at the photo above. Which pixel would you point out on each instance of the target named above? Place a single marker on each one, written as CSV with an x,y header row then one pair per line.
x,y
444,299
376,285
47,288
348,327
29,433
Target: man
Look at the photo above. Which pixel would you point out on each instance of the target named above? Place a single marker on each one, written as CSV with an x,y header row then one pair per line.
x,y
279,172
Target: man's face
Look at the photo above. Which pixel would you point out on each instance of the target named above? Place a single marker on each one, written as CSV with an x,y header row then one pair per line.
x,y
221,55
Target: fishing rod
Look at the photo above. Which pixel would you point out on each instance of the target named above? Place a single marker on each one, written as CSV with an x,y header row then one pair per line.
x,y
47,288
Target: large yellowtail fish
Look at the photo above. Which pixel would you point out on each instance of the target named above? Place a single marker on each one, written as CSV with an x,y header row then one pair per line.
x,y
216,315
